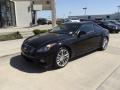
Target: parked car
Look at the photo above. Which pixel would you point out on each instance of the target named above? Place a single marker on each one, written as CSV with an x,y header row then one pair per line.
x,y
49,21
74,20
42,21
67,21
110,26
66,41
115,22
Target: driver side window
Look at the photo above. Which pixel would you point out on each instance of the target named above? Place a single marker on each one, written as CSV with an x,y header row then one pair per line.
x,y
87,28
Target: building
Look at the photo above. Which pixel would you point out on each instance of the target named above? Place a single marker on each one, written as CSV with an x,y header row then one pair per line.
x,y
7,13
23,13
115,16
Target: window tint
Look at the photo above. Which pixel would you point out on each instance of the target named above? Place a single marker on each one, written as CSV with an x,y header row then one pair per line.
x,y
97,27
87,28
69,28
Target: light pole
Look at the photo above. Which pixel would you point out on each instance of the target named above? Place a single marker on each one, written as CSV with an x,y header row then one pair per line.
x,y
85,10
70,13
53,7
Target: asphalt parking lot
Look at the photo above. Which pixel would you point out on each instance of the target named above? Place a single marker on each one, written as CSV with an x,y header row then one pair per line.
x,y
99,70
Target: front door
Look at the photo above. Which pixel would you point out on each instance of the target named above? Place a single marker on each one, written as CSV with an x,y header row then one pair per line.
x,y
86,41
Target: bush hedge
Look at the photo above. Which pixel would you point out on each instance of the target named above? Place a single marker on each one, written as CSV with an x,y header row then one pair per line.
x,y
37,31
12,36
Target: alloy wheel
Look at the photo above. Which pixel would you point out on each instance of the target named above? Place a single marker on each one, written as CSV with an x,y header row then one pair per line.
x,y
105,43
62,57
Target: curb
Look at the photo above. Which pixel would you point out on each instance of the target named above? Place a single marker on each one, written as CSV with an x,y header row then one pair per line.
x,y
9,55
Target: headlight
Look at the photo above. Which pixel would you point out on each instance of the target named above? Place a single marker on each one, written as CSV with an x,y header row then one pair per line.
x,y
46,48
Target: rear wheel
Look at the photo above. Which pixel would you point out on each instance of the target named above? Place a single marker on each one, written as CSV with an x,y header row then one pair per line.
x,y
62,58
117,31
104,43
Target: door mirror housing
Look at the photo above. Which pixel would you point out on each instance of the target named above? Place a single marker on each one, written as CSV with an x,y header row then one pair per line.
x,y
81,33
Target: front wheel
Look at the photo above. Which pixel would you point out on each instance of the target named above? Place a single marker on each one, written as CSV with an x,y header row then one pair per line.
x,y
62,58
104,43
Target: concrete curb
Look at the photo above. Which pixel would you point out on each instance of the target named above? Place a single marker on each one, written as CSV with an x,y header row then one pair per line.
x,y
9,55
10,47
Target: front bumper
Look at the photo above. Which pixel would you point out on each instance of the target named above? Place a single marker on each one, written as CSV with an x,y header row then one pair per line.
x,y
44,59
114,30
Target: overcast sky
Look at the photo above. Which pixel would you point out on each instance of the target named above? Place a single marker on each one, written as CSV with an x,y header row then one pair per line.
x,y
76,7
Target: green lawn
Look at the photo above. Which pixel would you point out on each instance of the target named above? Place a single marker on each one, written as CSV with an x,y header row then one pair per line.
x,y
12,36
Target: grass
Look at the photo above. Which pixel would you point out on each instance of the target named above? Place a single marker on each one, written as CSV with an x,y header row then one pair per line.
x,y
12,36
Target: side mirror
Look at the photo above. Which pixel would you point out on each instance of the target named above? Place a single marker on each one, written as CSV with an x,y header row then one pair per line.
x,y
81,33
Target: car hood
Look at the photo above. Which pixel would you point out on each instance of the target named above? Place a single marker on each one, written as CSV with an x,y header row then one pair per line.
x,y
46,38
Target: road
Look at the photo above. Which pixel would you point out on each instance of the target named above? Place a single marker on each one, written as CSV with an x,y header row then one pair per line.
x,y
99,70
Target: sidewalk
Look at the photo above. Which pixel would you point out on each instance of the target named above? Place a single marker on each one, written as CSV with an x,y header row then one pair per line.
x,y
14,29
10,47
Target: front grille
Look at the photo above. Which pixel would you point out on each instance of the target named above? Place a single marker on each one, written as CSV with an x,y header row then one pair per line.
x,y
28,49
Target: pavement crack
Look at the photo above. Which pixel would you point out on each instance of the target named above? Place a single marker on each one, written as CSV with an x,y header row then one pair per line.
x,y
108,77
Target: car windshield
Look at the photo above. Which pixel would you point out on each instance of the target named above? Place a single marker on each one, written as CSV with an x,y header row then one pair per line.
x,y
66,28
115,22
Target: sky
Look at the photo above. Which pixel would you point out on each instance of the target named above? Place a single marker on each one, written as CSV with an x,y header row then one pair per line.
x,y
94,7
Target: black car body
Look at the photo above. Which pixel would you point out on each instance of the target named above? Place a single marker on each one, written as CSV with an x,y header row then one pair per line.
x,y
112,27
115,22
75,38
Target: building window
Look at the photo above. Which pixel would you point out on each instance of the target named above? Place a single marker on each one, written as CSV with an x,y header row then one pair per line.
x,y
47,2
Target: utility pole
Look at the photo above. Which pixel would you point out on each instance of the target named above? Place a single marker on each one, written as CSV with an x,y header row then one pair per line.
x,y
53,7
118,12
70,13
85,10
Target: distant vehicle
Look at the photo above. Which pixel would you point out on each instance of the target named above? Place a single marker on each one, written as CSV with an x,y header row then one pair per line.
x,y
118,21
110,26
59,21
66,20
114,22
42,21
49,21
75,20
65,41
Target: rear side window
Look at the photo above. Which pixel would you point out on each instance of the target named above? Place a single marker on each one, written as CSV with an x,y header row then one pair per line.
x,y
87,28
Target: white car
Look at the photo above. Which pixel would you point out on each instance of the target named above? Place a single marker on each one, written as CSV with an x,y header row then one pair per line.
x,y
75,20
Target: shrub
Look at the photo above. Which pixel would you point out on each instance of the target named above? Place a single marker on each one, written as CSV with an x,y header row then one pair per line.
x,y
37,31
11,36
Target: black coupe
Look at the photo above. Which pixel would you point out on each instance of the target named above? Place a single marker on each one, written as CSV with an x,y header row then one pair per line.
x,y
55,48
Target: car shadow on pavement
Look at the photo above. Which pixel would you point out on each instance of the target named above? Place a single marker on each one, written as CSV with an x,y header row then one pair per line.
x,y
18,62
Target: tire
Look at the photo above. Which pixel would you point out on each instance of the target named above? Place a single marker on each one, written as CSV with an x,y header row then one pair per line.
x,y
116,31
104,43
62,58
